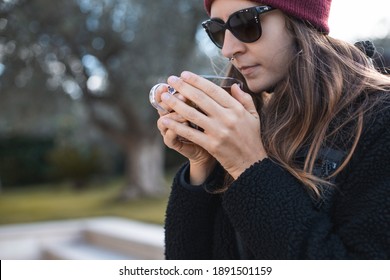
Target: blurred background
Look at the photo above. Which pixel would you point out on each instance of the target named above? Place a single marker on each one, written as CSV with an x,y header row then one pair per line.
x,y
78,137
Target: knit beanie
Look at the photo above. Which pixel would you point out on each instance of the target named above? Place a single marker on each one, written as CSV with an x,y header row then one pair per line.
x,y
316,12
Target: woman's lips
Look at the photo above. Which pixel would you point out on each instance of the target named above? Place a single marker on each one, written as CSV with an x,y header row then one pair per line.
x,y
247,70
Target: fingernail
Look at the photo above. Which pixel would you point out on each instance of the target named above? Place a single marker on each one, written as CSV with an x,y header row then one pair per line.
x,y
239,87
185,74
165,121
165,96
173,79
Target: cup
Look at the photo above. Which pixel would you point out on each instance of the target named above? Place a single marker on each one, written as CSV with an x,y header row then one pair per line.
x,y
224,82
155,93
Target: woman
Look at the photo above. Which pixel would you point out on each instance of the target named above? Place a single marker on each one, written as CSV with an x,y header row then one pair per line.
x,y
294,166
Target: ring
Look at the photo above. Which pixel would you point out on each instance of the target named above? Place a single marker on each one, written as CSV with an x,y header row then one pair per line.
x,y
171,90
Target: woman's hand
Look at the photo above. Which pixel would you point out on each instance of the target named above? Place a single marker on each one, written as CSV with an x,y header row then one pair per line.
x,y
201,162
231,124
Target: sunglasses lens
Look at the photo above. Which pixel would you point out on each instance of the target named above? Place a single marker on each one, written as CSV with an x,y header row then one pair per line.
x,y
216,32
245,26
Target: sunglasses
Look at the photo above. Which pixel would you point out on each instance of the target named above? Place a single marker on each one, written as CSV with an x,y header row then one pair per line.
x,y
243,24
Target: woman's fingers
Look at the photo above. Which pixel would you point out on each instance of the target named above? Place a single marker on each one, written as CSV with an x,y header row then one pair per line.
x,y
188,112
208,88
171,116
200,95
245,100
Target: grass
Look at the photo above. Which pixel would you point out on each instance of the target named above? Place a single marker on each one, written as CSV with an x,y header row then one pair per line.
x,y
59,202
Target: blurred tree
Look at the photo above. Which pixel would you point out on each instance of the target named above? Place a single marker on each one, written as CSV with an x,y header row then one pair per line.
x,y
106,54
78,165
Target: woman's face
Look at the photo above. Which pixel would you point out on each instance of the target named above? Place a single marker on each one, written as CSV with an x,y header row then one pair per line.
x,y
263,63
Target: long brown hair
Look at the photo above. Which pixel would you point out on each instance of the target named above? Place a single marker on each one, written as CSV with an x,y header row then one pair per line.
x,y
329,89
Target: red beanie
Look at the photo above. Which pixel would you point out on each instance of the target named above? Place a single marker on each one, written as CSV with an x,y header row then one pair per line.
x,y
315,12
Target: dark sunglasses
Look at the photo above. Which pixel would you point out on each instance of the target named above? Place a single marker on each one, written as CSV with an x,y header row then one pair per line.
x,y
243,24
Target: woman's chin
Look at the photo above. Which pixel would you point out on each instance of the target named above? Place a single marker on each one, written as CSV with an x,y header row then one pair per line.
x,y
258,88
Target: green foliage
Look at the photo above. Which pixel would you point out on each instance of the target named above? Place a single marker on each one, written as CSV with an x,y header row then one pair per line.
x,y
75,164
61,201
30,160
22,160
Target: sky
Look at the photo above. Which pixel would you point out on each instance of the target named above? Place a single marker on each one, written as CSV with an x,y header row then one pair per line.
x,y
352,20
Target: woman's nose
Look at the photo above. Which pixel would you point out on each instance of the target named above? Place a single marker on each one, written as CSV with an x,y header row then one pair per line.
x,y
231,45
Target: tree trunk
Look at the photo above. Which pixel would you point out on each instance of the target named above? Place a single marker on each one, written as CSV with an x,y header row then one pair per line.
x,y
144,169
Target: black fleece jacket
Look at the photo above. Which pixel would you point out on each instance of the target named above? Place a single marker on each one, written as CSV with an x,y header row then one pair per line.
x,y
268,214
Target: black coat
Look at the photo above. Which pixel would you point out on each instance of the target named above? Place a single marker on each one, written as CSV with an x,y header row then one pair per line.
x,y
268,214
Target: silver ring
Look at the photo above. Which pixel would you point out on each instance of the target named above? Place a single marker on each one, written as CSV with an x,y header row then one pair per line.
x,y
171,90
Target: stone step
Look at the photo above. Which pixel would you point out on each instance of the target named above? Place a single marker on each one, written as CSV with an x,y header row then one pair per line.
x,y
144,241
25,241
80,250
93,238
